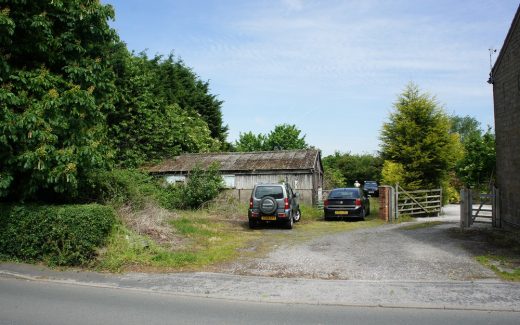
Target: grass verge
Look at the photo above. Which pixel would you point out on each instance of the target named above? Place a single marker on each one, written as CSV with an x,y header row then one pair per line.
x,y
503,266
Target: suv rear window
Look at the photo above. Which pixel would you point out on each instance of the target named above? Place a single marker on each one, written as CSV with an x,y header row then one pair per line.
x,y
273,191
344,194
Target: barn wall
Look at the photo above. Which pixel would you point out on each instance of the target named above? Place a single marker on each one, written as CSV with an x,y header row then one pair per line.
x,y
304,181
301,183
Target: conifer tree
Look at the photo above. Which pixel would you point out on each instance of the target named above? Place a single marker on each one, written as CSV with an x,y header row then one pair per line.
x,y
417,137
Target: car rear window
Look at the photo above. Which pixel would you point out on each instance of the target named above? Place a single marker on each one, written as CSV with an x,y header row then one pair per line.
x,y
273,191
344,193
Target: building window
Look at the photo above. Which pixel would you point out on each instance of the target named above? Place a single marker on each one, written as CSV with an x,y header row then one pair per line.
x,y
229,181
175,179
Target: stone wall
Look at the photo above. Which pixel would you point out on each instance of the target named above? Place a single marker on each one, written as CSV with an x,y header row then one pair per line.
x,y
506,95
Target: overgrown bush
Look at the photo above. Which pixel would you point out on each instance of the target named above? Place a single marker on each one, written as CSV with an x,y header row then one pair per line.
x,y
202,186
123,186
58,235
134,188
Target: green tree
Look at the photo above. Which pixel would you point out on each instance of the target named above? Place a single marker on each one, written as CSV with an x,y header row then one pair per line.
x,y
333,178
360,167
179,84
55,86
147,124
392,173
418,138
249,141
282,137
465,126
476,168
285,137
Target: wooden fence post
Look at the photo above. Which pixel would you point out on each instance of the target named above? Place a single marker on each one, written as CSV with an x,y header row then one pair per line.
x,y
397,201
464,222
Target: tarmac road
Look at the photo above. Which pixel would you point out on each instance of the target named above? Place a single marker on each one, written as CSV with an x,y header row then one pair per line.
x,y
37,302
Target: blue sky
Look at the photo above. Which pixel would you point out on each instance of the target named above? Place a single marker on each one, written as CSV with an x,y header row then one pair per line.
x,y
333,68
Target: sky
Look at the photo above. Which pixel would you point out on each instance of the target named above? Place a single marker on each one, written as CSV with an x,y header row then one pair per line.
x,y
333,68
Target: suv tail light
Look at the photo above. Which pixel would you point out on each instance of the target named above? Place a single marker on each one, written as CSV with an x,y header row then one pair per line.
x,y
326,203
250,203
358,202
286,205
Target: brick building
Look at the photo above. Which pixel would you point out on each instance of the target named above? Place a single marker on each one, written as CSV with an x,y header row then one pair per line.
x,y
505,77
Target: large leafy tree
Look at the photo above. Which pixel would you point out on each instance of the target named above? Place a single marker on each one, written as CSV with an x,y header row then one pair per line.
x,y
418,141
55,85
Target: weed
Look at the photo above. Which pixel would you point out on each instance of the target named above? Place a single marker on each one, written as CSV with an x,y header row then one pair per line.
x,y
503,266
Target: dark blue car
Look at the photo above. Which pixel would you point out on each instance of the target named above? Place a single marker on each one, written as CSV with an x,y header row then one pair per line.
x,y
345,203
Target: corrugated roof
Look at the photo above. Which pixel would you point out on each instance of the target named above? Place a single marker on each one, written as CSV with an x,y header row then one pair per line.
x,y
241,161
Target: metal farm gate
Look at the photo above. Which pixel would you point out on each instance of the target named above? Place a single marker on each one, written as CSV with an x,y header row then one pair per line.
x,y
425,203
395,202
476,207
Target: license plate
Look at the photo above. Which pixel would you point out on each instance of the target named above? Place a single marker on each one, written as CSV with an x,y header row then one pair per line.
x,y
341,212
268,218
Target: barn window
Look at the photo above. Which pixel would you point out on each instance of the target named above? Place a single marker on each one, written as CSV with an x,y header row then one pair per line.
x,y
229,181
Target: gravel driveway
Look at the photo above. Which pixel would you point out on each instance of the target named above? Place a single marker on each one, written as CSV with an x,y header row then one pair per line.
x,y
389,252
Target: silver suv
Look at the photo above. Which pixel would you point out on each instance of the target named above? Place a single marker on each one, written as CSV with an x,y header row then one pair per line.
x,y
273,203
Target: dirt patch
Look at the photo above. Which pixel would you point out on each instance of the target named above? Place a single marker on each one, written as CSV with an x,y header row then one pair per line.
x,y
153,222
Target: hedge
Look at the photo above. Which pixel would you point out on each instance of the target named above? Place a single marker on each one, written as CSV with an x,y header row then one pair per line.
x,y
57,235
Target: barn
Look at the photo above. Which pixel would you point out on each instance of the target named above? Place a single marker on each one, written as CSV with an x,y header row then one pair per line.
x,y
505,78
303,169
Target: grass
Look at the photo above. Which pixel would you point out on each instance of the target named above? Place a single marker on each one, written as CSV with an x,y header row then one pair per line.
x,y
503,255
502,266
202,238
215,234
405,218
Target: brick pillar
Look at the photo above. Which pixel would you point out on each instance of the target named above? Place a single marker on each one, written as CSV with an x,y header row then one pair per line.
x,y
385,203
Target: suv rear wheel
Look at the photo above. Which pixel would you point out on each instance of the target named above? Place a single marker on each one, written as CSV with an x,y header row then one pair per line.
x,y
297,216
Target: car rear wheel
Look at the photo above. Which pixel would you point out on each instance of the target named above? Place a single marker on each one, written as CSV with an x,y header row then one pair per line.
x,y
253,223
289,223
362,214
